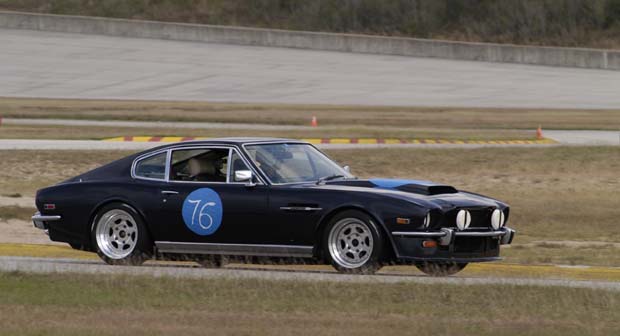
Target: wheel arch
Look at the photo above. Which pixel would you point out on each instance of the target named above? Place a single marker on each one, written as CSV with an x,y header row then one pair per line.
x,y
324,221
111,200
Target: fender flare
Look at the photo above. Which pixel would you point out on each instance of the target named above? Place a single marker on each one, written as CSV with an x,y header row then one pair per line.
x,y
329,215
109,200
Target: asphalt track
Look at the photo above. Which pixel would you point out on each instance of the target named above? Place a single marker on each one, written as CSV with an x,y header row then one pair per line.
x,y
47,266
59,65
569,137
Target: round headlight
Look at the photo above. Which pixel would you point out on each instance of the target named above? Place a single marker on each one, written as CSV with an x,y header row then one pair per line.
x,y
463,219
427,220
498,219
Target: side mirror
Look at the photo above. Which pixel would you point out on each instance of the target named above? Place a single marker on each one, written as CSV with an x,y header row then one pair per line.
x,y
347,169
244,176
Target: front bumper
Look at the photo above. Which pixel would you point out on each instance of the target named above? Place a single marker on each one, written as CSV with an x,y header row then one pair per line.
x,y
452,245
446,236
41,221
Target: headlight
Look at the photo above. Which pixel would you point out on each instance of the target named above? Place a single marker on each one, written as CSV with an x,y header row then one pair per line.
x,y
463,219
427,220
498,219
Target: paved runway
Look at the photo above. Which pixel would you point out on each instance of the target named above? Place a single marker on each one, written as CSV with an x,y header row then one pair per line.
x,y
48,265
585,138
42,64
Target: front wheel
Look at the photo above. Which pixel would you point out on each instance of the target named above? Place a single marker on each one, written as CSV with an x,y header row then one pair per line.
x,y
440,269
120,236
353,243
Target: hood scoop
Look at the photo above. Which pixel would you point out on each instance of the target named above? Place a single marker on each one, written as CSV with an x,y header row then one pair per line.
x,y
410,186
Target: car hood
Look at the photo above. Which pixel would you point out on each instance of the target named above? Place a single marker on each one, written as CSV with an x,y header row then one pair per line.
x,y
424,193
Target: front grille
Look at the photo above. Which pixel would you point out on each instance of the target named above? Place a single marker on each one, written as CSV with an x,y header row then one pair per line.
x,y
471,244
480,218
476,246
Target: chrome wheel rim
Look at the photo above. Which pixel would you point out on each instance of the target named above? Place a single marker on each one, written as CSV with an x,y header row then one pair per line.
x,y
117,234
350,243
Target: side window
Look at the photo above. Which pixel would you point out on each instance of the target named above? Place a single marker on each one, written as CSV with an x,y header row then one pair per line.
x,y
236,164
199,165
153,167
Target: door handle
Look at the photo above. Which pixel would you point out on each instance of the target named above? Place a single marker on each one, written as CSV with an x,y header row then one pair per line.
x,y
169,192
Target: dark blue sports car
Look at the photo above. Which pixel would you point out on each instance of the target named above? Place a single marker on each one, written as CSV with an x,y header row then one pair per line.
x,y
267,199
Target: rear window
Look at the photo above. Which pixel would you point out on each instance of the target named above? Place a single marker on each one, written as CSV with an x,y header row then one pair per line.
x,y
153,167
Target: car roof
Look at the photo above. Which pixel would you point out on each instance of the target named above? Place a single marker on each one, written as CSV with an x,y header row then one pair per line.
x,y
235,141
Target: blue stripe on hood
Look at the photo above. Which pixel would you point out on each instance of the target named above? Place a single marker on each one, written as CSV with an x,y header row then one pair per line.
x,y
395,183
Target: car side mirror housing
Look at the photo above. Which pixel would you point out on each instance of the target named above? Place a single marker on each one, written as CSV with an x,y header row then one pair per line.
x,y
244,176
347,169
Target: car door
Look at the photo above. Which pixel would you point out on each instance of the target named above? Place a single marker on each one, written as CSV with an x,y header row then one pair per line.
x,y
202,202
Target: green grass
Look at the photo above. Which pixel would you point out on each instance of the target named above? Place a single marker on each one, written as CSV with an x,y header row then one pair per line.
x,y
72,304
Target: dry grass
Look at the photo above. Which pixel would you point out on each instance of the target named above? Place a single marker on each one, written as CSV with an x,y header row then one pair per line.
x,y
15,212
557,194
554,192
87,132
349,116
125,305
24,172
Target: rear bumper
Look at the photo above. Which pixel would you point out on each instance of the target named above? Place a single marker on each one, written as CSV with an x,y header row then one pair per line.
x,y
452,246
41,221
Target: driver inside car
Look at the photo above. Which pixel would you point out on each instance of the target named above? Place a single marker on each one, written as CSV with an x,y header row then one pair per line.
x,y
206,170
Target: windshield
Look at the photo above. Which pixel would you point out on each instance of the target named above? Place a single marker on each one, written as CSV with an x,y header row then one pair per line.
x,y
292,163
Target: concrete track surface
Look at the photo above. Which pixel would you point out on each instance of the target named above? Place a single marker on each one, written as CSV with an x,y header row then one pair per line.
x,y
59,65
45,266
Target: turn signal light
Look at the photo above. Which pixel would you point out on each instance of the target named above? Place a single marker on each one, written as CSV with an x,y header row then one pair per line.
x,y
429,243
402,220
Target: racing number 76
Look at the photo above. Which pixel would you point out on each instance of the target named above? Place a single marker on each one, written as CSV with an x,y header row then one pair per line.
x,y
201,211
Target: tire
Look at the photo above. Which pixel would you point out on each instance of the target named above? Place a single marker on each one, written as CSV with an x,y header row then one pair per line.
x,y
212,261
120,236
440,269
353,243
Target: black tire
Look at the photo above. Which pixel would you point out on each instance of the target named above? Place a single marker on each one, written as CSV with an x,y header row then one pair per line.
x,y
137,251
212,261
439,269
371,243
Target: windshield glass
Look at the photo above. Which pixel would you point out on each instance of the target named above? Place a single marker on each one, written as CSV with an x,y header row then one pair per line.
x,y
291,163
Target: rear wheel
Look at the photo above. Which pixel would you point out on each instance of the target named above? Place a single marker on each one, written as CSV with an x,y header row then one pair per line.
x,y
353,243
120,236
440,269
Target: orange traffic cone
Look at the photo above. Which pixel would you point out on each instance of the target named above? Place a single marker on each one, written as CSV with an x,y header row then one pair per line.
x,y
314,122
539,134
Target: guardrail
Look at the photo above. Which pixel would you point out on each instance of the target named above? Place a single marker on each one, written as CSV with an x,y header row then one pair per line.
x,y
487,52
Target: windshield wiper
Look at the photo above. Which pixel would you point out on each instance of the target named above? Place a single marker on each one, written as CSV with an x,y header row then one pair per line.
x,y
329,178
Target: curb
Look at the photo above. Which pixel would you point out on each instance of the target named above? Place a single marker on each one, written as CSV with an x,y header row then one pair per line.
x,y
352,141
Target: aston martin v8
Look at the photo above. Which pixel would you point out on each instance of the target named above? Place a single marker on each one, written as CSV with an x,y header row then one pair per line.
x,y
257,198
